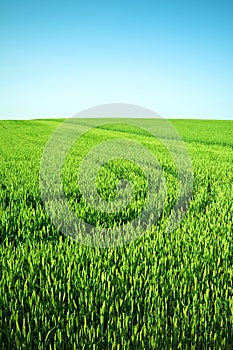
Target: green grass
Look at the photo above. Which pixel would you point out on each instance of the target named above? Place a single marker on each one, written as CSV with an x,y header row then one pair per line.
x,y
162,291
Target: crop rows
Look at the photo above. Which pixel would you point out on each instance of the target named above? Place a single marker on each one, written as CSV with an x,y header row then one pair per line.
x,y
162,291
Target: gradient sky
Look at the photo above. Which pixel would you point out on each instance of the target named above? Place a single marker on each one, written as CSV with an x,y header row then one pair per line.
x,y
59,57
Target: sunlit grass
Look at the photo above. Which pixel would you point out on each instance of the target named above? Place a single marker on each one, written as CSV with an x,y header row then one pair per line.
x,y
162,291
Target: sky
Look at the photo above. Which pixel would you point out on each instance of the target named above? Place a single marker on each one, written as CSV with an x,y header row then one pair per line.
x,y
60,57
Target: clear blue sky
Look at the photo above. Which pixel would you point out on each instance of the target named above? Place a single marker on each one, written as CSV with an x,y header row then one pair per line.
x,y
59,57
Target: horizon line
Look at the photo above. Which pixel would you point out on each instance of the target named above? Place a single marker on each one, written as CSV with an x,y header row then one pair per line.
x,y
120,117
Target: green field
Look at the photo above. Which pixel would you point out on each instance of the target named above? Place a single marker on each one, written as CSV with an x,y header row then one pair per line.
x,y
165,290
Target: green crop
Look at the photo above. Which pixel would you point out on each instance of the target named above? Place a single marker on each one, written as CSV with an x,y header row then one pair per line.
x,y
165,290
